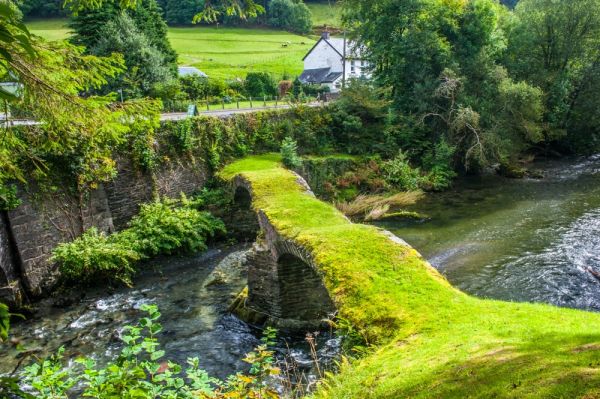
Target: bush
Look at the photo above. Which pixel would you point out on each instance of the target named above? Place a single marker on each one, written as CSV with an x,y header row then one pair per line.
x,y
96,256
260,84
292,15
161,228
401,175
289,153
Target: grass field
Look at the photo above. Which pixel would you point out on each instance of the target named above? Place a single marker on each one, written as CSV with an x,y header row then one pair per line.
x,y
220,52
233,52
325,13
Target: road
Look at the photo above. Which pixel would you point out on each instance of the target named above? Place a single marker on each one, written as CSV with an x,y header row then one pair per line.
x,y
176,116
222,113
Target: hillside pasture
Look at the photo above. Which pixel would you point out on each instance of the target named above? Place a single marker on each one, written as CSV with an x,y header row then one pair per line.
x,y
220,52
226,52
326,13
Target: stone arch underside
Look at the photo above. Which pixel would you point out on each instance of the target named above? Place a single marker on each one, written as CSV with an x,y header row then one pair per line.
x,y
302,295
284,284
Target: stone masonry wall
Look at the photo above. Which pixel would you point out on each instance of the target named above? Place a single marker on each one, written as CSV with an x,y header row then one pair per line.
x,y
38,225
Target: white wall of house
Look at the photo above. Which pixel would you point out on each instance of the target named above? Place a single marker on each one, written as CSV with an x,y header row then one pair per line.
x,y
357,69
324,56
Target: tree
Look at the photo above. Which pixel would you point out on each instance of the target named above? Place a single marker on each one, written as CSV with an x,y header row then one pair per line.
x,y
182,12
145,64
42,8
442,61
555,45
139,33
292,15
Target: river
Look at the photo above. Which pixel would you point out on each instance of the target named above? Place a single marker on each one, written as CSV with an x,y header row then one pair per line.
x,y
529,240
193,295
521,240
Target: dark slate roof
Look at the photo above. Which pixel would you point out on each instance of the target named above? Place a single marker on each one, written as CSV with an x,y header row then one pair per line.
x,y
332,77
320,75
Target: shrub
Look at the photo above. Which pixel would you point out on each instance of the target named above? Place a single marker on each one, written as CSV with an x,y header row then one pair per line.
x,y
161,228
289,153
96,256
400,174
260,84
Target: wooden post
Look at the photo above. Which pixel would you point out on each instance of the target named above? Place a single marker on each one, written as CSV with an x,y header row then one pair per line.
x,y
250,102
223,103
276,101
265,101
238,103
207,106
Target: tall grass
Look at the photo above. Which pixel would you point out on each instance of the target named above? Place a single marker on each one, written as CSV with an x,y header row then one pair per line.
x,y
374,207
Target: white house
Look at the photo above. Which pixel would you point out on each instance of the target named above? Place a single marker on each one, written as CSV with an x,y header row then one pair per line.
x,y
332,61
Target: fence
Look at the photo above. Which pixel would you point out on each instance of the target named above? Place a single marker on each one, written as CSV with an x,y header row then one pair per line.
x,y
233,104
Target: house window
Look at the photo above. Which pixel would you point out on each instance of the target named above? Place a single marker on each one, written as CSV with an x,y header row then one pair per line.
x,y
352,67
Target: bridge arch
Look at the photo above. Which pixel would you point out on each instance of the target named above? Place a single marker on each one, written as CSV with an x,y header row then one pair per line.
x,y
302,294
284,284
242,198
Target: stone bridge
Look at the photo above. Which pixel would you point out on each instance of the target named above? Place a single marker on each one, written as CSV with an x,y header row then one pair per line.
x,y
285,288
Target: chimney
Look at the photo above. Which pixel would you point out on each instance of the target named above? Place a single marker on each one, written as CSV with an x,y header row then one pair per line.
x,y
325,35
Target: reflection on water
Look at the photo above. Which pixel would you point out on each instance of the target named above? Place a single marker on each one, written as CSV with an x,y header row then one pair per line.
x,y
523,240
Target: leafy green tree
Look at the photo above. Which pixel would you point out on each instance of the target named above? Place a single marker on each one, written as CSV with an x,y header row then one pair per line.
x,y
442,61
556,45
292,15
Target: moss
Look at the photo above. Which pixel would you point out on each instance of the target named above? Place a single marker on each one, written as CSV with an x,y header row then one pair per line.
x,y
432,340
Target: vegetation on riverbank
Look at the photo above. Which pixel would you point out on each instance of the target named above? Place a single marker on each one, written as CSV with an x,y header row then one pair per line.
x,y
164,227
431,339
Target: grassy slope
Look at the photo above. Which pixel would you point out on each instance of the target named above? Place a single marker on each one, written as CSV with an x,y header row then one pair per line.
x,y
433,340
233,52
220,52
327,13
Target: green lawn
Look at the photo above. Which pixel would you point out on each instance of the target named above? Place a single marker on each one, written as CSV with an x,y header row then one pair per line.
x,y
233,52
326,13
50,29
220,52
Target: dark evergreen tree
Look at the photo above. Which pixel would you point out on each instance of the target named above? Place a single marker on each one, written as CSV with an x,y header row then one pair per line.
x,y
147,17
140,34
181,12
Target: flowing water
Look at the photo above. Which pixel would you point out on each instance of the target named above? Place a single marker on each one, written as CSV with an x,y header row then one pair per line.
x,y
521,240
193,295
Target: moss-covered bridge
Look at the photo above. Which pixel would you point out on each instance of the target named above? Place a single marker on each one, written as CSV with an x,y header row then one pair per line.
x,y
430,340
